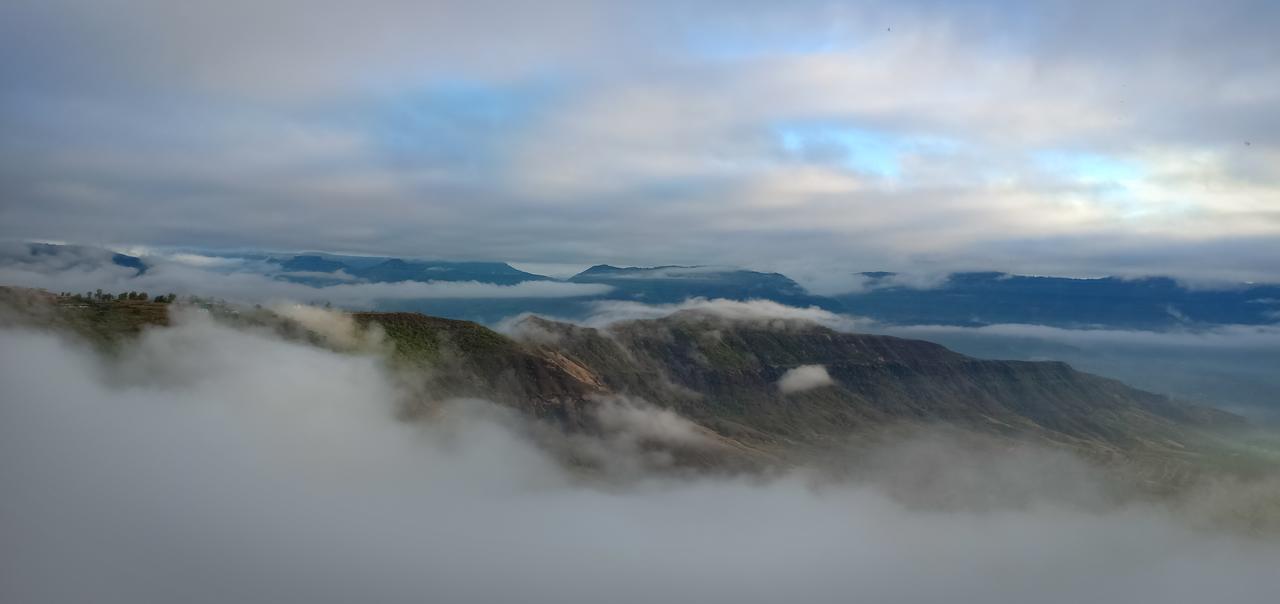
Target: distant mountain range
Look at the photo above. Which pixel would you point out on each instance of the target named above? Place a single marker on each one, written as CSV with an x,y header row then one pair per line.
x,y
990,298
965,299
961,299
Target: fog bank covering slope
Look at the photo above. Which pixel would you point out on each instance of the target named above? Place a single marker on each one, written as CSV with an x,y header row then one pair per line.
x,y
212,464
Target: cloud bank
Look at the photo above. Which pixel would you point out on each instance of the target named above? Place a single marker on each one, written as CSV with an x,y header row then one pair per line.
x,y
211,465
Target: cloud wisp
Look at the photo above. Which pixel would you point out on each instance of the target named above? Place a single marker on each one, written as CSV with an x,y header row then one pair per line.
x,y
804,377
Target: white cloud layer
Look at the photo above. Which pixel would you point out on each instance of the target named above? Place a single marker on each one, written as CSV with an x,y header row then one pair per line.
x,y
210,465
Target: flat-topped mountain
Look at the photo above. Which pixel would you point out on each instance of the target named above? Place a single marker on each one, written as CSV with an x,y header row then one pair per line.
x,y
726,373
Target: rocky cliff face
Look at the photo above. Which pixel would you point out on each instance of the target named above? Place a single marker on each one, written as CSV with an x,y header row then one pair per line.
x,y
725,374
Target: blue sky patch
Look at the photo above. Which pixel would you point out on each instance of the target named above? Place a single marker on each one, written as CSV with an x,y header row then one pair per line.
x,y
862,150
1092,168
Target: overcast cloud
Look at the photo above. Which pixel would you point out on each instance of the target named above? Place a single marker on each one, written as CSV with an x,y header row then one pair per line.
x,y
1052,138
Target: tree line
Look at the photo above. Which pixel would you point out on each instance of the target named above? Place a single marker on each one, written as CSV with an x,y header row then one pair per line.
x,y
101,296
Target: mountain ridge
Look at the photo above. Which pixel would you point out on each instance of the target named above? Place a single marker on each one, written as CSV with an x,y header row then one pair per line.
x,y
722,374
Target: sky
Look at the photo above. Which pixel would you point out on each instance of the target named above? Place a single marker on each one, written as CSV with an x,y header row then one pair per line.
x,y
1070,138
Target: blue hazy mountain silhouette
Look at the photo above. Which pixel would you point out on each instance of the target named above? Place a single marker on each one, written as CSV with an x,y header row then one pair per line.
x,y
984,298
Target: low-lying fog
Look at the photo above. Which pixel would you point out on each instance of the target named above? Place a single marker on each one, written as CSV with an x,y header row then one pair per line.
x,y
213,465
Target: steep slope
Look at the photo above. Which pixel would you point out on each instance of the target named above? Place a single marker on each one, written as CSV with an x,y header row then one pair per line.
x,y
460,359
465,359
724,374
